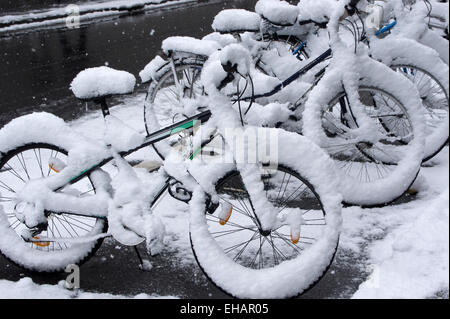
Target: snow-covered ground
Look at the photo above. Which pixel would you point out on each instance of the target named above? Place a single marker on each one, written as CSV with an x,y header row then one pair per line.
x,y
406,246
27,289
403,249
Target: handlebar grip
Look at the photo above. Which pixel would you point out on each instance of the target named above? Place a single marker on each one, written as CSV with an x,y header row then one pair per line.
x,y
352,7
229,78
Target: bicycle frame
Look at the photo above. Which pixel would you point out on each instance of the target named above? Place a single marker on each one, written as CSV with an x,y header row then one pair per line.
x,y
166,180
321,58
152,139
297,75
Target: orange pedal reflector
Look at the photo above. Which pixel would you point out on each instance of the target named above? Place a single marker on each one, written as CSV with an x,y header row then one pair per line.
x,y
225,214
295,235
56,164
41,244
52,167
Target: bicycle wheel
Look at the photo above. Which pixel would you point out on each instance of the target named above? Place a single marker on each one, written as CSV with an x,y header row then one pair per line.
x,y
433,40
17,167
423,67
377,168
436,105
166,98
246,262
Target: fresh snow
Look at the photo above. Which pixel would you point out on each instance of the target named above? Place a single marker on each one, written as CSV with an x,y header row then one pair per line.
x,y
277,12
405,247
235,20
365,231
412,261
190,45
25,288
149,72
102,81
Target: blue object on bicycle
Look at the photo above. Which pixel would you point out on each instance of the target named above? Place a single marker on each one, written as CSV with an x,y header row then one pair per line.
x,y
386,28
300,47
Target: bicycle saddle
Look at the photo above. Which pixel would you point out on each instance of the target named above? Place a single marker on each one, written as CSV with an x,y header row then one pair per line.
x,y
277,12
190,45
236,21
100,82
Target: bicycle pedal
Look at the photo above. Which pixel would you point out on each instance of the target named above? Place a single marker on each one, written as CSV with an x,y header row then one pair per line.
x,y
225,214
295,235
56,164
150,166
40,243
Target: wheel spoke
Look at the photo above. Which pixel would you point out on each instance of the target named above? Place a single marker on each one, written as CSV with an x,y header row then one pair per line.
x,y
28,163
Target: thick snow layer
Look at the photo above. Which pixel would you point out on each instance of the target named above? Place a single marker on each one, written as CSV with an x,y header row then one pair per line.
x,y
222,39
292,276
318,11
235,20
236,54
394,184
362,228
413,260
298,273
412,22
150,70
190,45
25,288
404,248
102,81
398,51
277,12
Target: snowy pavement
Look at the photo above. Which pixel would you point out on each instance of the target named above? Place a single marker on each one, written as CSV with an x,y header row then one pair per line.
x,y
399,251
27,289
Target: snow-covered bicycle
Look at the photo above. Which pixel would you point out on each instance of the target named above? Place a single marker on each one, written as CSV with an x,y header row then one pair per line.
x,y
290,32
415,22
257,231
364,165
407,45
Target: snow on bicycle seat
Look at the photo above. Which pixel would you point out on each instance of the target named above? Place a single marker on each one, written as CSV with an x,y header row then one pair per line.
x,y
236,21
190,45
102,81
278,12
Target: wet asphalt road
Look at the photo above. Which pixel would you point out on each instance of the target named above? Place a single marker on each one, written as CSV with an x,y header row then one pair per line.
x,y
36,68
35,72
115,269
18,6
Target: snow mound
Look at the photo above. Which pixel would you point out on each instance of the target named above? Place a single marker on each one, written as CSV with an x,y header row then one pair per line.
x,y
412,261
150,70
236,20
222,39
25,288
236,54
190,45
277,12
102,81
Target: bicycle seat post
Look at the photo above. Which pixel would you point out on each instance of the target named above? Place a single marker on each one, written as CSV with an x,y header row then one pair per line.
x,y
104,106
